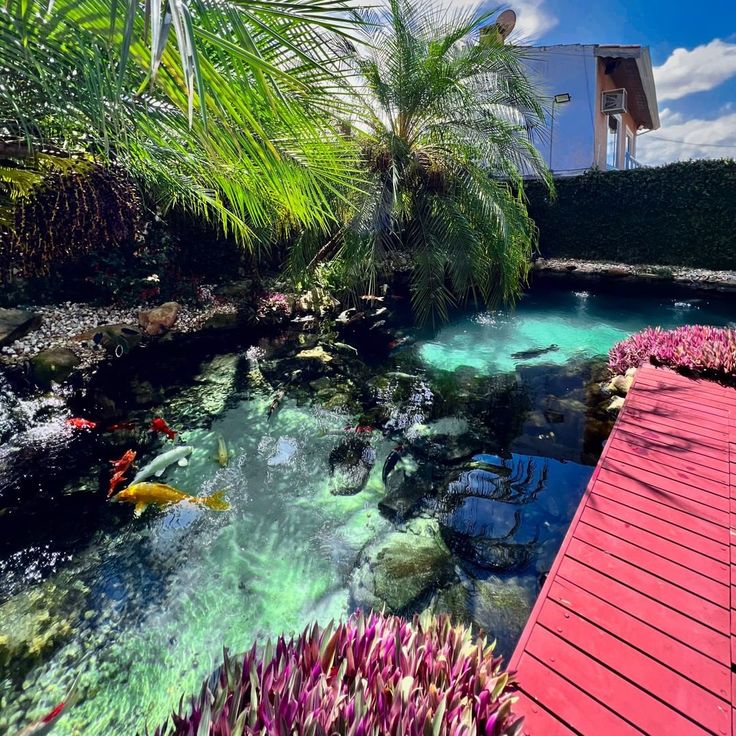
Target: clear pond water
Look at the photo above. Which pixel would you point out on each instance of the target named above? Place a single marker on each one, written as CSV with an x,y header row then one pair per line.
x,y
496,452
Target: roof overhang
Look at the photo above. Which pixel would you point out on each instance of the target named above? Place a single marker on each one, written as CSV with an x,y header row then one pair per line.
x,y
633,70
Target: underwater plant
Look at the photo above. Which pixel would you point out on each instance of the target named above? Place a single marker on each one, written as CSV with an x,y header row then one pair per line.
x,y
699,348
371,676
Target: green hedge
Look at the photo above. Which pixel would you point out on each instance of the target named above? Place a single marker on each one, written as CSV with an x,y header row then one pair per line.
x,y
682,214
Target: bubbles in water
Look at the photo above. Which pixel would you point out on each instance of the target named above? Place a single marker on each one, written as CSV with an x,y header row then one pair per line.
x,y
582,294
255,353
686,305
489,319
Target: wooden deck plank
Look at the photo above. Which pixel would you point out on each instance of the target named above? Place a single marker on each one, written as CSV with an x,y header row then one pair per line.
x,y
645,672
667,548
675,624
635,627
605,685
661,463
703,493
645,636
680,575
717,551
664,508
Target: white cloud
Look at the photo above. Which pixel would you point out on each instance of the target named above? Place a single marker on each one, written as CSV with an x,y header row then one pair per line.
x,y
533,20
680,138
697,70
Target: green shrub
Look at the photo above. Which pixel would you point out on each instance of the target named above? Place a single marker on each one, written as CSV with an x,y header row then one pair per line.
x,y
682,214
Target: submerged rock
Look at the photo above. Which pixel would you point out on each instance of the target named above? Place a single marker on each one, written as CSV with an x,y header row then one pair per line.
x,y
402,569
318,353
350,465
16,324
498,606
36,622
53,366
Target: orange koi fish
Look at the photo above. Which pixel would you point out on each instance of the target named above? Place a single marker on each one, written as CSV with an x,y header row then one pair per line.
x,y
122,464
79,423
159,425
120,468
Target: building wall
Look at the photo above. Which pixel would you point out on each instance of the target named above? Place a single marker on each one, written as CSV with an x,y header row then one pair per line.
x,y
571,69
605,83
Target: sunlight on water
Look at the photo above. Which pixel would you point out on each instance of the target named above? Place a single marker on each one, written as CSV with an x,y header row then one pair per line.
x,y
181,583
142,609
579,325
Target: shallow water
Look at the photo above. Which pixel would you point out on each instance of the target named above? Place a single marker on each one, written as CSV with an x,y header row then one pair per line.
x,y
498,452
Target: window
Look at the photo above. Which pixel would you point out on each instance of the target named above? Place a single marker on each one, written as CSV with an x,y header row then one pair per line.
x,y
630,161
614,123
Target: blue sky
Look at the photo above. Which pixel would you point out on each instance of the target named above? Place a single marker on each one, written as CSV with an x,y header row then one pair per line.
x,y
693,47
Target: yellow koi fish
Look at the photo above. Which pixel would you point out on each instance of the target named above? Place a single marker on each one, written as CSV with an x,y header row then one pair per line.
x,y
223,455
144,494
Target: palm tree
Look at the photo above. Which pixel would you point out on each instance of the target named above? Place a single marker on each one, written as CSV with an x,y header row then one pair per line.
x,y
223,108
444,131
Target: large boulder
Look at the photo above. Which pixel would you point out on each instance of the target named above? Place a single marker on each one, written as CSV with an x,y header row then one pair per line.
x,y
17,323
159,320
401,570
53,366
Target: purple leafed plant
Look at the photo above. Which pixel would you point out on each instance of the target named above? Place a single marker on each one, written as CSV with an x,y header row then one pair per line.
x,y
707,350
375,675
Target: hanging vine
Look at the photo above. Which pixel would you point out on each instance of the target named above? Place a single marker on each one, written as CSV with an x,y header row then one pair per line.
x,y
60,209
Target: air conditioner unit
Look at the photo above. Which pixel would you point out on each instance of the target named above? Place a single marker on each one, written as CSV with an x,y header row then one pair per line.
x,y
613,102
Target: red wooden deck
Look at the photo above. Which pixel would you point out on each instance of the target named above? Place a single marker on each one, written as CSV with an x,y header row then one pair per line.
x,y
635,628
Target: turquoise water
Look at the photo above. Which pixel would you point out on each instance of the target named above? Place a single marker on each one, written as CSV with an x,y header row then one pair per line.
x,y
500,450
579,323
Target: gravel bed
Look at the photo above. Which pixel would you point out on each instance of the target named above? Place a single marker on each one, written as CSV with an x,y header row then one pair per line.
x,y
64,324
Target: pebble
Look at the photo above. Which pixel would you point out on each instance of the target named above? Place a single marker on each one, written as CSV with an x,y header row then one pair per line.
x,y
63,322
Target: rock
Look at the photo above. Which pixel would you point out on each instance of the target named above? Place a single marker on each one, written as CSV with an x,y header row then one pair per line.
x,y
404,493
116,339
499,606
53,366
617,403
222,321
237,290
17,323
620,384
400,570
484,517
321,384
319,354
38,621
159,320
630,373
350,465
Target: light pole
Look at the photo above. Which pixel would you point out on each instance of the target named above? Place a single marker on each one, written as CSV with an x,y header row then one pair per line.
x,y
561,99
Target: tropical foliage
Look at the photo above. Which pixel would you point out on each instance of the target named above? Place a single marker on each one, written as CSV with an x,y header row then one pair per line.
x,y
373,675
221,109
699,348
444,133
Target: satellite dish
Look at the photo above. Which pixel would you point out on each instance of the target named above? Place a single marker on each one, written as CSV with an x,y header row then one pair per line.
x,y
505,23
499,31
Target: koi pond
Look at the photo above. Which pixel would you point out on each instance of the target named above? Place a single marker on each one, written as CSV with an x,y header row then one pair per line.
x,y
440,474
